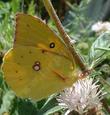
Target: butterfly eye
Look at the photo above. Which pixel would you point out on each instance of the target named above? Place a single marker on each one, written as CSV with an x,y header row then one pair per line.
x,y
52,45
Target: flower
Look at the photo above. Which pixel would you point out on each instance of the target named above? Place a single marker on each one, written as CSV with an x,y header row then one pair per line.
x,y
82,96
101,27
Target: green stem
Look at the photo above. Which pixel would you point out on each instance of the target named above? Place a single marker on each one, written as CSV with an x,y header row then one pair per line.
x,y
64,35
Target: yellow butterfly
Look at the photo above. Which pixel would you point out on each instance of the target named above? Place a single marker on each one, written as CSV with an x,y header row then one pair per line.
x,y
39,63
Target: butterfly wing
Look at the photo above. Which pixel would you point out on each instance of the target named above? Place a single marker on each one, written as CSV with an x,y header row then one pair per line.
x,y
34,68
32,31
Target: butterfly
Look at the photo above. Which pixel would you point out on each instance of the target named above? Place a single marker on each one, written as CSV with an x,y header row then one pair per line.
x,y
39,63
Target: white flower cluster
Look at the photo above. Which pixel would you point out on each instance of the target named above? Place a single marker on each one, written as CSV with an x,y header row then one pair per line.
x,y
82,96
100,27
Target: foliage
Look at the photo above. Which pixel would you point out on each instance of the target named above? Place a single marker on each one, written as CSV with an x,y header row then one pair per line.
x,y
93,48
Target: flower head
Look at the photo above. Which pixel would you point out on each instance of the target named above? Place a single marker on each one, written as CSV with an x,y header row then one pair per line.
x,y
101,27
82,96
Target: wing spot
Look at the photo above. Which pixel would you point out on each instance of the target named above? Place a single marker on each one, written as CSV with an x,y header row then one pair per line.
x,y
16,71
30,52
21,56
52,45
36,66
18,63
28,25
37,63
20,79
43,51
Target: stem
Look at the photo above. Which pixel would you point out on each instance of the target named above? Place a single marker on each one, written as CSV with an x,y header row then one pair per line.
x,y
64,35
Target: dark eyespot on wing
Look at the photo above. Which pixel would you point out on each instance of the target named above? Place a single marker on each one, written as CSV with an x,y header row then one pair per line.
x,y
36,66
52,45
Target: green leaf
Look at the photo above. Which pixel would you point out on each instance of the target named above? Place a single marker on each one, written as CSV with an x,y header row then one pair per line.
x,y
53,110
50,106
31,9
7,102
26,107
96,55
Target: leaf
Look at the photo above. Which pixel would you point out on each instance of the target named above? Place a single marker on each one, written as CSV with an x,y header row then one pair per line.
x,y
31,9
51,105
53,110
26,107
7,102
96,55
